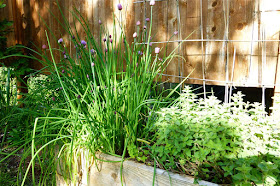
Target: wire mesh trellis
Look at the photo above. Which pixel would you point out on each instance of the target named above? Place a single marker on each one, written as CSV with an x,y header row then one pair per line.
x,y
206,15
229,73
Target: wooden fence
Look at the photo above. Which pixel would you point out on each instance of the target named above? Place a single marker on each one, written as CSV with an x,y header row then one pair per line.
x,y
233,42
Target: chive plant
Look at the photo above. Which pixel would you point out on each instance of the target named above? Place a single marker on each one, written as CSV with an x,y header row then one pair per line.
x,y
104,93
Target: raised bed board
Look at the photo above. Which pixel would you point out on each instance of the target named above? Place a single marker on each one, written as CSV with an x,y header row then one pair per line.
x,y
133,174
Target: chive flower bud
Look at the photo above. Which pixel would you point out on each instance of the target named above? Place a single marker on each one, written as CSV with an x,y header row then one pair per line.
x,y
79,96
87,76
176,32
83,42
44,46
111,40
92,64
104,39
144,27
99,21
134,35
106,50
63,71
157,49
152,2
53,98
65,56
92,51
110,36
119,6
148,19
138,23
60,40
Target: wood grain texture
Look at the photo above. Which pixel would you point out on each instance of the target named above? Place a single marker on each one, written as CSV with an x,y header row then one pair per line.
x,y
190,29
249,20
133,174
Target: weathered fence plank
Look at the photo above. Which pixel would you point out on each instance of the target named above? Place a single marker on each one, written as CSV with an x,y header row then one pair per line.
x,y
249,22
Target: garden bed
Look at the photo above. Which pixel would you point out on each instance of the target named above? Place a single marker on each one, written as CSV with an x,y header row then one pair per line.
x,y
133,174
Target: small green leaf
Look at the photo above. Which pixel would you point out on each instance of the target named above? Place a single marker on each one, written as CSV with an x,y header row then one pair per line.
x,y
238,176
2,5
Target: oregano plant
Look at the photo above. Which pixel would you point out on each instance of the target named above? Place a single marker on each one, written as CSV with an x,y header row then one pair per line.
x,y
224,143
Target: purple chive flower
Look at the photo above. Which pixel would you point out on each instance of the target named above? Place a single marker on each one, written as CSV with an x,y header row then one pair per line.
x,y
63,53
104,39
83,42
53,98
136,64
115,112
92,101
152,2
111,40
138,23
176,32
63,71
151,44
80,57
159,59
140,53
79,96
65,56
119,6
87,76
60,40
99,21
144,27
110,36
92,51
44,46
157,49
60,88
106,50
73,37
148,19
92,64
135,35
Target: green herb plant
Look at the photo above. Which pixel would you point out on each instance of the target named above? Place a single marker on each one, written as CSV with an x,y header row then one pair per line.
x,y
224,143
99,97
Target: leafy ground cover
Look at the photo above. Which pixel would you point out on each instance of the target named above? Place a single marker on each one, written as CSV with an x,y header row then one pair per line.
x,y
224,143
106,97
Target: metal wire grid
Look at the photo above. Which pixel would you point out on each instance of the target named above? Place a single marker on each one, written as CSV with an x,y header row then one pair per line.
x,y
229,80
